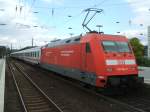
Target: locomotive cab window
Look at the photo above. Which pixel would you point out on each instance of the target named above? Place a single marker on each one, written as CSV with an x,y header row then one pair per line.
x,y
123,47
88,48
114,46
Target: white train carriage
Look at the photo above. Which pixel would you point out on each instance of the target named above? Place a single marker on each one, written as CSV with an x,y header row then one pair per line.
x,y
31,55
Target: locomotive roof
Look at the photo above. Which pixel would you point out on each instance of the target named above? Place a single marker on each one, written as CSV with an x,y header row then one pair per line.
x,y
70,40
77,39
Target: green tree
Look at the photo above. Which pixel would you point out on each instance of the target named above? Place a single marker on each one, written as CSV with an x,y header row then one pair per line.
x,y
137,47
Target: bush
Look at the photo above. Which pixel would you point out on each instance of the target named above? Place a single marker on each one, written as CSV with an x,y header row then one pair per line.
x,y
143,61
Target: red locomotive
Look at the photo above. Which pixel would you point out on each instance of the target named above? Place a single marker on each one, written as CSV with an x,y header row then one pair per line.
x,y
96,59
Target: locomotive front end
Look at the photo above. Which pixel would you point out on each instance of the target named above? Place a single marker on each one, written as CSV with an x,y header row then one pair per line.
x,y
120,64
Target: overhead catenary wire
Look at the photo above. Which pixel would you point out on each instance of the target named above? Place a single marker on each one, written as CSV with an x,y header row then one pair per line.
x,y
69,7
100,3
30,10
32,4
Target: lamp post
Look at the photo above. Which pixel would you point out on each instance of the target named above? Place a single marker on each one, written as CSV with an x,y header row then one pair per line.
x,y
69,28
2,10
71,34
3,24
35,12
99,26
69,16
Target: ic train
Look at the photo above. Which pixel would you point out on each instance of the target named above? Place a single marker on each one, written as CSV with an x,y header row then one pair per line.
x,y
96,59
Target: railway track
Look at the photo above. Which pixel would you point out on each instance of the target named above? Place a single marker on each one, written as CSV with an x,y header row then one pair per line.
x,y
138,100
33,99
127,107
12,101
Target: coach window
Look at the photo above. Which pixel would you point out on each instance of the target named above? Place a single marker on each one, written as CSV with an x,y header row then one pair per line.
x,y
37,54
88,48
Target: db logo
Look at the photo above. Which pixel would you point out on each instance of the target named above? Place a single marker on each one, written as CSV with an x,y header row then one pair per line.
x,y
121,62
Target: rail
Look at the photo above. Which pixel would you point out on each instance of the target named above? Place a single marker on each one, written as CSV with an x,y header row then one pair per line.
x,y
31,96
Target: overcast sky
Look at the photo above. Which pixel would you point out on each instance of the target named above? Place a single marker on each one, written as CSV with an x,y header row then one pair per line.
x,y
45,20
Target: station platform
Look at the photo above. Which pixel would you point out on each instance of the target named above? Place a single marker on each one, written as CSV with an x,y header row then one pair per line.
x,y
2,84
145,72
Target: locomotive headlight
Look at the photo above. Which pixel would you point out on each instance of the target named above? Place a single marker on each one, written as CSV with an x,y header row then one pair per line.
x,y
101,77
109,69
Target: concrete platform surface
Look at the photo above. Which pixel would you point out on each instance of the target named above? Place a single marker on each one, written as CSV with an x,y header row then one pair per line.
x,y
145,72
2,84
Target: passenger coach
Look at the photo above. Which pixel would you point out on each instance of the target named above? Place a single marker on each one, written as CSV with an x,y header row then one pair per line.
x,y
31,55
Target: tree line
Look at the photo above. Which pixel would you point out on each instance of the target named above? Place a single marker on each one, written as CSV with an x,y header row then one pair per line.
x,y
138,49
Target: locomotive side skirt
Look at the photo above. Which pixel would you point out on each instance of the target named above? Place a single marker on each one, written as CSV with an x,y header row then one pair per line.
x,y
89,78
